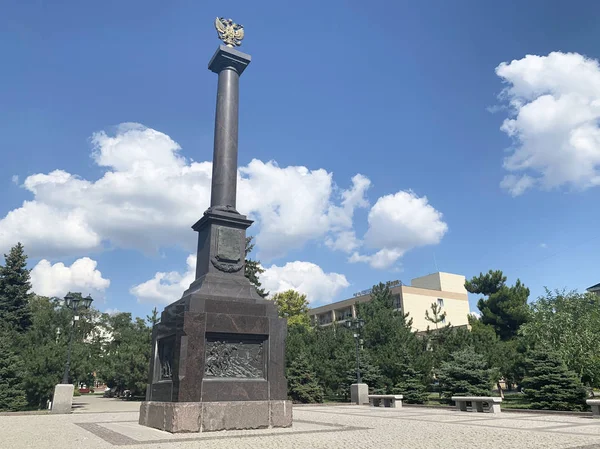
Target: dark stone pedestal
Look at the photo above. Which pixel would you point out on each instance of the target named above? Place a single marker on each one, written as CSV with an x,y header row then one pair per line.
x,y
218,358
178,417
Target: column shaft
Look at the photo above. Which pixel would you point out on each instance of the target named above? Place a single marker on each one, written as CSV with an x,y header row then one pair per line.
x,y
224,170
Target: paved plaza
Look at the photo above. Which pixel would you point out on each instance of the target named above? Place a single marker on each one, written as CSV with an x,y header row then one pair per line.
x,y
106,423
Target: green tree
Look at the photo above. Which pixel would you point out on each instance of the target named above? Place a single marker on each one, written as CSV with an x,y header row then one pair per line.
x,y
154,318
302,382
14,289
12,373
465,374
506,357
568,322
505,308
332,353
252,269
550,385
126,356
437,316
410,386
293,306
370,374
44,348
388,336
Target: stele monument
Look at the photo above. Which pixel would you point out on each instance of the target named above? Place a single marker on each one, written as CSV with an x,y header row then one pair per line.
x,y
218,353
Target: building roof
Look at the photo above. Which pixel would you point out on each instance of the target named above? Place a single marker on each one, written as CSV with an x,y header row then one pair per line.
x,y
594,288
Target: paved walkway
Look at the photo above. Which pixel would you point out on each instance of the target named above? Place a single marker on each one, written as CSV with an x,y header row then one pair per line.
x,y
324,427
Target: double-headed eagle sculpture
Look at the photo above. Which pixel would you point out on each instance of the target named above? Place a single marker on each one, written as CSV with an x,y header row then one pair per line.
x,y
229,32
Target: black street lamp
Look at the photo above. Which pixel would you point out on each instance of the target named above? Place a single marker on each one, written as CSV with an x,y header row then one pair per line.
x,y
74,301
356,324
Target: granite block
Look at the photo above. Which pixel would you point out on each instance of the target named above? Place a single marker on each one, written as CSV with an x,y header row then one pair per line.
x,y
276,365
235,415
217,390
62,401
236,324
174,417
281,414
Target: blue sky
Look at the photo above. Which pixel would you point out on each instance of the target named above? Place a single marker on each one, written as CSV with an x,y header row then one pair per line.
x,y
407,95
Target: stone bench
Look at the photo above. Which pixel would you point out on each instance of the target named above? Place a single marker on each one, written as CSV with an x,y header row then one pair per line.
x,y
595,404
477,403
388,400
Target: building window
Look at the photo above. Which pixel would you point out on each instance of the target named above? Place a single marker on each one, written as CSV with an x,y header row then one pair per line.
x,y
397,302
440,302
342,315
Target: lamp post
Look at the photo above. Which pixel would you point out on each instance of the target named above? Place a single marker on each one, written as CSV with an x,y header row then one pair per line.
x,y
356,324
73,301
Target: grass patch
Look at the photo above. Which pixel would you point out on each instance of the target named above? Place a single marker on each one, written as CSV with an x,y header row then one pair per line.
x,y
515,400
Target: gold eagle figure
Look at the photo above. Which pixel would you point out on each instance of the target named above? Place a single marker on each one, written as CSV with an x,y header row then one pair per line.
x,y
229,32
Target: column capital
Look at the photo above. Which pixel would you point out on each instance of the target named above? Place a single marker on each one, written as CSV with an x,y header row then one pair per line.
x,y
226,57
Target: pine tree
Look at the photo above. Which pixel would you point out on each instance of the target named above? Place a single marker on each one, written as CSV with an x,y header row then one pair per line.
x,y
302,382
153,319
411,386
437,316
370,374
252,269
14,289
466,374
550,385
12,391
505,308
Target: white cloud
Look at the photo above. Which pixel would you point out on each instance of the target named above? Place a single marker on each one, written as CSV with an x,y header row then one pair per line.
x,y
112,311
305,277
150,195
166,287
58,279
399,223
554,104
293,205
15,179
543,245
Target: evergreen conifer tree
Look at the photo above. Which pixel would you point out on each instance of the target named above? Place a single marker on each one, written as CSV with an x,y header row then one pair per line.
x,y
411,386
12,390
302,382
14,289
465,374
550,385
252,269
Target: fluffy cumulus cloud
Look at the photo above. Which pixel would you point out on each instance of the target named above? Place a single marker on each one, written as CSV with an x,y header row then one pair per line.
x,y
147,185
149,195
304,277
554,107
58,279
166,287
397,224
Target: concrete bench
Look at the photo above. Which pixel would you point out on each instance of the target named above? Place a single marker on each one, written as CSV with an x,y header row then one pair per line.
x,y
388,400
595,404
477,403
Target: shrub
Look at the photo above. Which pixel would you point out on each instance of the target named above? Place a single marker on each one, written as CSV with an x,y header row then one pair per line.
x,y
466,374
302,382
550,385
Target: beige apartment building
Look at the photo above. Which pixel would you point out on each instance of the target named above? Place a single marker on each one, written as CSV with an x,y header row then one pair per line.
x,y
446,289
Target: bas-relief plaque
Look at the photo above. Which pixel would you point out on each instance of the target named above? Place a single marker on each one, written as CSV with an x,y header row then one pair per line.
x,y
229,244
228,254
234,357
166,348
